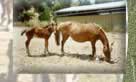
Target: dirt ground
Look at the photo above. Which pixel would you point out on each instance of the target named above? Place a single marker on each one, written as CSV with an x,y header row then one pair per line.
x,y
7,74
75,61
70,78
4,41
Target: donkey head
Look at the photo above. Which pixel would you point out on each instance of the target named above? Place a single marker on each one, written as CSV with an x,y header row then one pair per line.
x,y
107,51
56,32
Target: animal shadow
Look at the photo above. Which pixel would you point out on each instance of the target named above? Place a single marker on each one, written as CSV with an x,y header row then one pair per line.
x,y
73,55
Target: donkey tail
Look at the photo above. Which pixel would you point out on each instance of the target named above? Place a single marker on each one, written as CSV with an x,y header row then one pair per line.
x,y
23,32
57,37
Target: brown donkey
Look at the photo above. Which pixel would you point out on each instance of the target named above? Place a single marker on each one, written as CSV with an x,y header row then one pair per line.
x,y
84,32
39,32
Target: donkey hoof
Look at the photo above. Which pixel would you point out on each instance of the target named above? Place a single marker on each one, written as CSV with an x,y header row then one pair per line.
x,y
111,62
29,55
43,54
46,54
63,53
92,57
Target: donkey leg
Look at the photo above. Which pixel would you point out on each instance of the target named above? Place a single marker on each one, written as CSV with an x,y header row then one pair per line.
x,y
64,38
107,55
46,52
93,50
27,47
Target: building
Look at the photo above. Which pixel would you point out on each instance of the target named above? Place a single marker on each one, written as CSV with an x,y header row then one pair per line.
x,y
111,15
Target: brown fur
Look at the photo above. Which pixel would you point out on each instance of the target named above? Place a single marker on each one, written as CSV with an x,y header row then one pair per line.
x,y
82,33
38,32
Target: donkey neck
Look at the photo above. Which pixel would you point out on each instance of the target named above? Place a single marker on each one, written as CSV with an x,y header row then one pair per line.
x,y
104,39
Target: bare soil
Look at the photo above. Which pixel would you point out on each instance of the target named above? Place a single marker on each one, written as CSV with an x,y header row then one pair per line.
x,y
76,59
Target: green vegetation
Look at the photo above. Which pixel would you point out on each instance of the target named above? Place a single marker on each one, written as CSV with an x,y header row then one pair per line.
x,y
42,10
31,12
129,76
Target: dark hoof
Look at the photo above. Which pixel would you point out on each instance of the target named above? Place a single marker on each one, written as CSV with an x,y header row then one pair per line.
x,y
61,55
110,62
43,55
92,57
102,58
30,56
46,54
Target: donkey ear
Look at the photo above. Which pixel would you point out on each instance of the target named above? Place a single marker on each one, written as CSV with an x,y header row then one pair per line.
x,y
52,24
111,46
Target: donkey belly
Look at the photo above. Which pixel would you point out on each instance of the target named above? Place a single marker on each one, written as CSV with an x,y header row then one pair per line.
x,y
82,37
41,35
